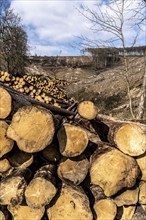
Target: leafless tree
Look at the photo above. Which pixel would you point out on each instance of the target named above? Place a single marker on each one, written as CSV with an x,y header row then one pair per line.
x,y
13,42
112,21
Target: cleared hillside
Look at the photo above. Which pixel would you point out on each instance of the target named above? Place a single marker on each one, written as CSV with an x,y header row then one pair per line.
x,y
107,88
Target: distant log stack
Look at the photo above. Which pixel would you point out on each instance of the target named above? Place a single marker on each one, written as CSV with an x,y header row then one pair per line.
x,y
41,89
55,165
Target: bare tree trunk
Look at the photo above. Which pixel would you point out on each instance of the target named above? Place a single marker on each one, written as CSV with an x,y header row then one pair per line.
x,y
143,95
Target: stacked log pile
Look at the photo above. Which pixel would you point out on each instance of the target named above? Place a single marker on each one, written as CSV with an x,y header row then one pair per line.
x,y
38,87
68,163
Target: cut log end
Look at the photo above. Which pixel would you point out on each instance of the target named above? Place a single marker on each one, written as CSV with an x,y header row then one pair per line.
x,y
25,212
32,128
142,193
105,209
5,103
12,190
87,110
4,166
71,204
72,140
131,139
113,170
39,192
20,159
128,212
128,197
2,216
6,144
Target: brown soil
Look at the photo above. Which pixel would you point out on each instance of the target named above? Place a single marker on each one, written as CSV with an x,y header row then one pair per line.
x,y
107,88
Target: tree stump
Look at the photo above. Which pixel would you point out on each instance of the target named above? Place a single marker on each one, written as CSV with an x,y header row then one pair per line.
x,y
32,128
73,140
5,103
6,144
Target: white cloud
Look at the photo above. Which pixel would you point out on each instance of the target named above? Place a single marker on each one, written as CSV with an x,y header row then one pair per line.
x,y
53,24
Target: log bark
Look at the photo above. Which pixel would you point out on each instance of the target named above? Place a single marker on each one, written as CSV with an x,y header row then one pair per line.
x,y
105,209
73,170
5,103
51,153
41,189
73,140
87,110
97,192
27,128
19,159
6,144
20,212
112,170
72,203
12,190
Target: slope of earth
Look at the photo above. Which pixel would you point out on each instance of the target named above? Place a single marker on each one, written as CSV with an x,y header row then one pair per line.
x,y
108,88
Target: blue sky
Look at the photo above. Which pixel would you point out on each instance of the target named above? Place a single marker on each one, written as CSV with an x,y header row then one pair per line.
x,y
52,26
